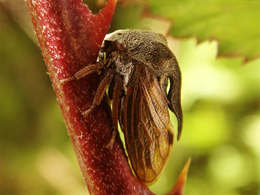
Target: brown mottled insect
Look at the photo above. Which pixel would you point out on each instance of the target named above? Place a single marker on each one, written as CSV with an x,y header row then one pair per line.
x,y
136,66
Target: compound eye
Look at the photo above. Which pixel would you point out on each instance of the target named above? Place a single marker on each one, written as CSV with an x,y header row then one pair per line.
x,y
120,44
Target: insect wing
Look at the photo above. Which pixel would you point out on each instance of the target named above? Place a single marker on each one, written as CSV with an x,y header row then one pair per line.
x,y
146,125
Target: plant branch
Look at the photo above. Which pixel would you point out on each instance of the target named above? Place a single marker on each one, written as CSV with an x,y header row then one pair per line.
x,y
70,36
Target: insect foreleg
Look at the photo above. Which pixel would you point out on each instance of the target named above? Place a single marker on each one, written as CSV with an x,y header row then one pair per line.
x,y
84,72
109,75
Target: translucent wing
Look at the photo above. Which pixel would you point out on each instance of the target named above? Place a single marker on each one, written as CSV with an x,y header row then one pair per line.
x,y
146,125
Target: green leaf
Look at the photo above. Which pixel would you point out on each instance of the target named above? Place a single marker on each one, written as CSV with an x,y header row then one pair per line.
x,y
235,24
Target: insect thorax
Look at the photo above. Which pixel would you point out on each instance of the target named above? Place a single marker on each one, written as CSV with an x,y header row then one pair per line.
x,y
122,64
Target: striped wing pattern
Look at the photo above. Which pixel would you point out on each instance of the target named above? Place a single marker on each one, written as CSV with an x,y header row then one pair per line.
x,y
146,125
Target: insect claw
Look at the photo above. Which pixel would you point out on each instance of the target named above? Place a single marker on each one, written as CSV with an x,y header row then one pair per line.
x,y
112,140
85,113
63,81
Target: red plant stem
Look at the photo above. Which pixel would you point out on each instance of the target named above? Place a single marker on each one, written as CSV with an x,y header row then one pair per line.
x,y
70,37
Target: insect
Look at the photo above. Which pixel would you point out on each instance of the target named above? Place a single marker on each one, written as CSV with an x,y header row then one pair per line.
x,y
135,66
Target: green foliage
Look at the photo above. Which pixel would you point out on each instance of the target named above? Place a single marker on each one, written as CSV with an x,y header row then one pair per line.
x,y
234,24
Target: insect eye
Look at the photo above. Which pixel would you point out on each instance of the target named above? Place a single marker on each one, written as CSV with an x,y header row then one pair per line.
x,y
120,44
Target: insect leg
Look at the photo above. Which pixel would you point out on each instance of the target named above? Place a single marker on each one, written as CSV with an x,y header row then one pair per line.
x,y
116,107
116,99
112,140
84,72
109,75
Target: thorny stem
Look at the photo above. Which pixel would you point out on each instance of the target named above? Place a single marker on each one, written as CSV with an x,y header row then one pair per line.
x,y
70,36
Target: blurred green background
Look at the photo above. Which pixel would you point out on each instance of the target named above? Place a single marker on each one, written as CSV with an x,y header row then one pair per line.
x,y
221,104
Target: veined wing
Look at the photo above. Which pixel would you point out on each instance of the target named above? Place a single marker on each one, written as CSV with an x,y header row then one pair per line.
x,y
146,125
